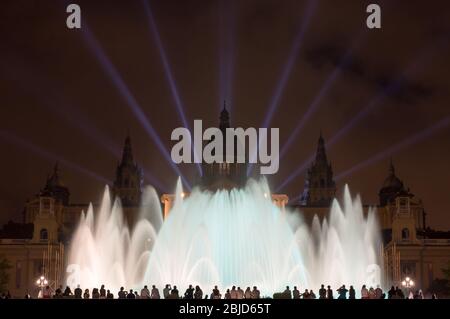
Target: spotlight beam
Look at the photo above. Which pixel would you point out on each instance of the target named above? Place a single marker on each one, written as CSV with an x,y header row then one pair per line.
x,y
128,97
57,104
377,101
168,72
322,93
416,138
226,53
285,74
17,141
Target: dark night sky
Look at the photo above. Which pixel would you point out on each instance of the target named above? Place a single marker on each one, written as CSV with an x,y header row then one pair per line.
x,y
56,101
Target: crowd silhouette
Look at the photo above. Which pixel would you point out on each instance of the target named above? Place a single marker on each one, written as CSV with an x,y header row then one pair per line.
x,y
172,292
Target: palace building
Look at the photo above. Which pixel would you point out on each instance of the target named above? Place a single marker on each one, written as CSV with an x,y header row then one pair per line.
x,y
37,246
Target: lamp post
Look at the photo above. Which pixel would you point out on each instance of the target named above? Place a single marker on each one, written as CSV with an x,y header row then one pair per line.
x,y
41,283
408,283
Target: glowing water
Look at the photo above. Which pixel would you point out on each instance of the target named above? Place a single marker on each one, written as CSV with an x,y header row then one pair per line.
x,y
227,238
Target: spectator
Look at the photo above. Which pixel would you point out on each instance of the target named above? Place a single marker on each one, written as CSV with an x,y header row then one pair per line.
x,y
109,295
198,294
364,292
78,292
233,293
228,294
322,292
102,292
296,293
342,292
287,293
122,293
189,294
255,293
329,293
240,293
351,293
155,293
86,294
248,293
131,295
166,291
306,294
145,293
174,294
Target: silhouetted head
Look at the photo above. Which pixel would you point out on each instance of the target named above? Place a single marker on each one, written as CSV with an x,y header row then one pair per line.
x,y
102,287
287,287
328,287
364,286
121,288
233,288
190,286
131,290
322,286
295,287
174,287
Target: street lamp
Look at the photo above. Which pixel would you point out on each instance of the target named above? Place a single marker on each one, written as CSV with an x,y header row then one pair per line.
x,y
408,283
41,283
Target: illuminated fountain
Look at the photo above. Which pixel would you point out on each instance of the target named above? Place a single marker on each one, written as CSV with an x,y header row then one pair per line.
x,y
236,237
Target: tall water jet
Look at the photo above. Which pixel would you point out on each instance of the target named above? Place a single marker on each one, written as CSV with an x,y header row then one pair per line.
x,y
104,250
230,237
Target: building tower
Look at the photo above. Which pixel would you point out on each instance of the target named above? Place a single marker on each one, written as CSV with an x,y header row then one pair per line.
x,y
392,185
55,188
320,187
225,175
128,183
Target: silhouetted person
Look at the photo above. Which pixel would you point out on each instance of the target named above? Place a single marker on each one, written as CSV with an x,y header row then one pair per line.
x,y
233,293
306,294
198,294
255,293
215,293
95,293
248,293
391,292
322,292
131,295
102,292
67,292
342,292
122,293
166,291
240,293
312,295
228,294
296,293
351,293
155,293
145,293
86,294
329,293
136,295
189,294
174,293
78,292
287,293
109,295
364,292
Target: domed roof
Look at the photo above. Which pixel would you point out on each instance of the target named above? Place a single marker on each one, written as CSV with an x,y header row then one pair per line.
x,y
392,181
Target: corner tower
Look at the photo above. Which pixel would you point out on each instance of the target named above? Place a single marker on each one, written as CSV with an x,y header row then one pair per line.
x,y
128,183
320,187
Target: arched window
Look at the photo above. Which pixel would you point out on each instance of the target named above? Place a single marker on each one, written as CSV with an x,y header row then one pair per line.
x,y
405,233
44,234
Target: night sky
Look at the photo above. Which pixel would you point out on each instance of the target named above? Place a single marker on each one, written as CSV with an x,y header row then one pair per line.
x,y
385,93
